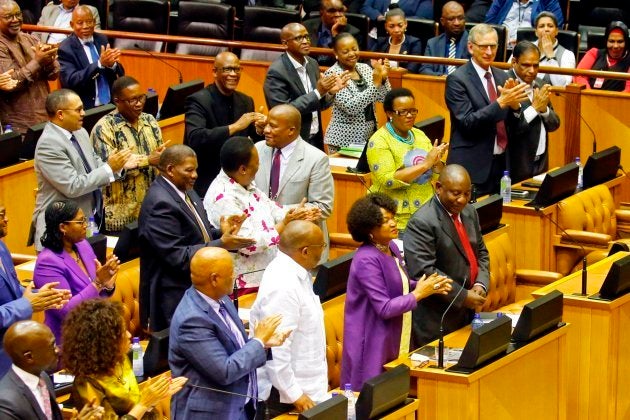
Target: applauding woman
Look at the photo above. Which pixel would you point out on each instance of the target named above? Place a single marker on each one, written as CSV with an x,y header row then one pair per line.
x,y
353,116
397,41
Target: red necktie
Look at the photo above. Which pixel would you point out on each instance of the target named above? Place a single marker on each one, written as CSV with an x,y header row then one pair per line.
x,y
502,139
43,390
472,258
274,179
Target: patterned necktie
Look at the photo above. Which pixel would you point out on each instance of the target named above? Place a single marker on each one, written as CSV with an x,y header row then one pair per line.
x,y
97,194
43,391
472,258
502,139
101,82
274,177
202,227
452,49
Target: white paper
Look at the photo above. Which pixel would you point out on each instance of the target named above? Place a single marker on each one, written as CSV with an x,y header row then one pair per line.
x,y
344,162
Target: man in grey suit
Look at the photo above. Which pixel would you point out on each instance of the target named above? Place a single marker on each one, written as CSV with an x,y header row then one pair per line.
x,y
291,169
453,43
59,16
294,78
444,237
66,165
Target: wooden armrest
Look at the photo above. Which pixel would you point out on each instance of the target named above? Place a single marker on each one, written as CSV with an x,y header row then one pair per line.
x,y
622,215
537,276
22,258
592,238
624,204
343,239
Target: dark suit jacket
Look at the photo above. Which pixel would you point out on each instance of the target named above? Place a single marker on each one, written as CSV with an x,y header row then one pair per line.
x,y
524,139
283,86
78,74
431,244
313,27
169,237
203,349
17,402
436,47
13,307
473,120
206,134
410,46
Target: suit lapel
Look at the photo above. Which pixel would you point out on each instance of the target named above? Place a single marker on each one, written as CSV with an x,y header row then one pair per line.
x,y
73,265
477,83
5,273
28,394
265,169
294,77
293,165
448,227
215,317
79,52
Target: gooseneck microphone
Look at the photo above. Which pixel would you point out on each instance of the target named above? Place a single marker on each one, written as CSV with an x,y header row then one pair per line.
x,y
584,272
441,339
222,391
181,77
236,288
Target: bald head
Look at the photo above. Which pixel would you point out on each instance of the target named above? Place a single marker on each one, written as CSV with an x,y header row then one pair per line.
x,y
227,72
290,29
304,242
453,19
454,173
283,126
453,188
211,272
31,346
82,22
175,155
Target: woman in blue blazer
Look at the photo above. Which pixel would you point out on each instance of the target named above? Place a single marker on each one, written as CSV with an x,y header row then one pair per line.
x,y
397,41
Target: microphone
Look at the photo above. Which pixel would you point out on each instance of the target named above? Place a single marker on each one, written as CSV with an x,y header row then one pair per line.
x,y
441,339
587,124
584,272
181,78
473,194
236,288
222,391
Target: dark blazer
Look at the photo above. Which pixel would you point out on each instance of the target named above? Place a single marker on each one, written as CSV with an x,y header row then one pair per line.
x,y
431,245
13,307
169,237
78,74
203,349
436,47
283,86
313,27
524,139
410,46
473,120
412,8
17,402
205,134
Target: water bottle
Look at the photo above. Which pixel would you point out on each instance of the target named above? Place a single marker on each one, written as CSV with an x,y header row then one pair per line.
x,y
138,354
477,322
506,187
350,396
580,183
8,128
92,228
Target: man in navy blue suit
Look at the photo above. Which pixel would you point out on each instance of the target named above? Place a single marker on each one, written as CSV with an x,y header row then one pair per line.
x,y
453,43
17,303
209,346
88,65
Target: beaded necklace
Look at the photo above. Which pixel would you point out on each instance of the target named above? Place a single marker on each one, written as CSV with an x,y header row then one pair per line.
x,y
410,137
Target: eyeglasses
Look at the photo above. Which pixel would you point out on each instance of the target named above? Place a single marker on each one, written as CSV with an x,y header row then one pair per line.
x,y
227,70
333,10
136,100
486,46
300,38
17,15
404,112
82,221
78,110
323,245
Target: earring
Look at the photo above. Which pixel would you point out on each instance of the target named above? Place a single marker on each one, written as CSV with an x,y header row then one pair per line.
x,y
371,237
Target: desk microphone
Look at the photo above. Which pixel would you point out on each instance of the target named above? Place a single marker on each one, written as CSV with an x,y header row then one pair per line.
x,y
587,125
236,288
441,339
181,77
584,273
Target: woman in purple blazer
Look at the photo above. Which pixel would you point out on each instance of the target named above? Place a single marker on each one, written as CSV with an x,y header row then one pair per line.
x,y
380,294
68,258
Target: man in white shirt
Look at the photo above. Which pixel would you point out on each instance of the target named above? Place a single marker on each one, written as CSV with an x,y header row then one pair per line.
x,y
297,377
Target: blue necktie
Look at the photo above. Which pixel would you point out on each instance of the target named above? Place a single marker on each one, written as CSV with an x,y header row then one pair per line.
x,y
101,81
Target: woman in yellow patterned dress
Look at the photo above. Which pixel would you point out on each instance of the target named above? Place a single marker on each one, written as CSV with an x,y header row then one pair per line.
x,y
402,160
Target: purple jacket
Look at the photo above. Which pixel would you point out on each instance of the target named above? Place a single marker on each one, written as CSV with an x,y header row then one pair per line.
x,y
62,268
373,314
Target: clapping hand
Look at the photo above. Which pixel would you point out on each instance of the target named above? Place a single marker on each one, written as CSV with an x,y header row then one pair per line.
x,y
47,297
540,100
230,227
106,273
7,82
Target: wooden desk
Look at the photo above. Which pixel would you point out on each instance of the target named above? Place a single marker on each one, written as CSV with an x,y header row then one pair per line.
x,y
349,188
533,231
407,412
598,362
529,383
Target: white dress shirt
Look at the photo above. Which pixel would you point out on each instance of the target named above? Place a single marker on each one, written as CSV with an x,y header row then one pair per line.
x,y
481,72
299,365
308,88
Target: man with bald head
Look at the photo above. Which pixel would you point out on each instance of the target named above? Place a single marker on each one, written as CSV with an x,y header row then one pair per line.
x,y
215,114
88,65
452,43
296,379
444,237
294,78
26,391
208,344
291,169
172,227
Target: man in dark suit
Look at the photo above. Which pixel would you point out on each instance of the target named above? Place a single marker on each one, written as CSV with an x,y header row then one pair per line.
x,y
17,303
444,237
529,132
88,65
294,78
31,346
209,346
478,112
453,43
215,114
331,22
172,226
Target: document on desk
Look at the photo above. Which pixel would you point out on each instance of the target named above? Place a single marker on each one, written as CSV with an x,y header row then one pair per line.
x,y
343,162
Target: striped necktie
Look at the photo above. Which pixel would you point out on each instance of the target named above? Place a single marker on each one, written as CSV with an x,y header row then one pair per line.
x,y
452,50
